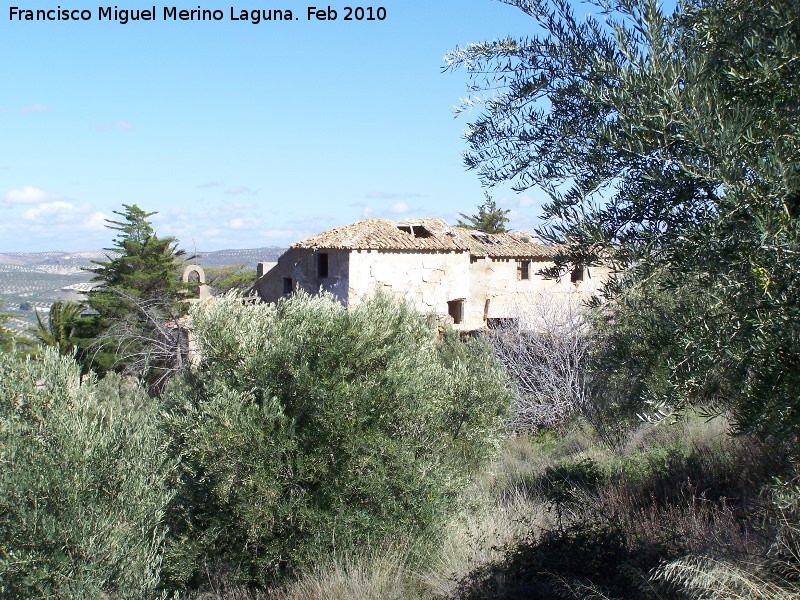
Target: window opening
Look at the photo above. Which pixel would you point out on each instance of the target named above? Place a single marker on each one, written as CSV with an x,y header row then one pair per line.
x,y
523,269
421,232
455,308
577,275
322,264
503,323
287,285
417,231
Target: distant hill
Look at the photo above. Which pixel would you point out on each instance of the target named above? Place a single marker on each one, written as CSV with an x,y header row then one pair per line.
x,y
248,258
73,262
33,281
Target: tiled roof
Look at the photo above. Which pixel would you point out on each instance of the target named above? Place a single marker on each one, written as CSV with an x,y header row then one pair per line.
x,y
431,235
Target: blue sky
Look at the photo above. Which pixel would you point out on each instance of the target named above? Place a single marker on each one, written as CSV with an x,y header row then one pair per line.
x,y
239,135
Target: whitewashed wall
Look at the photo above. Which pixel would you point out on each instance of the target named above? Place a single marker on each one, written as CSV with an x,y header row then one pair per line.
x,y
428,280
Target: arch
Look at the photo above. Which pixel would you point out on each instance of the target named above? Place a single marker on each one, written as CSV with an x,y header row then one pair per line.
x,y
194,269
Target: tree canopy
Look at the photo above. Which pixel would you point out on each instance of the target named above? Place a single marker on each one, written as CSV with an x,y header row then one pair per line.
x,y
139,264
138,292
309,427
489,219
669,145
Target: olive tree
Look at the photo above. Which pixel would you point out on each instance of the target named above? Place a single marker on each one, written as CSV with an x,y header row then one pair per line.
x,y
670,147
83,483
310,428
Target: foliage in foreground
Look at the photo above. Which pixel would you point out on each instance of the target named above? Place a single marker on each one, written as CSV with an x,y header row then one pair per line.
x,y
669,144
83,483
309,428
58,330
563,516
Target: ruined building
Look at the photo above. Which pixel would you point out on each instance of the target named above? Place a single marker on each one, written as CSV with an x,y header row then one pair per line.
x,y
471,277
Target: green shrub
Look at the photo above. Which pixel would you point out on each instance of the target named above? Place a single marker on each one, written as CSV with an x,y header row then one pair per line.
x,y
309,428
83,484
653,464
565,481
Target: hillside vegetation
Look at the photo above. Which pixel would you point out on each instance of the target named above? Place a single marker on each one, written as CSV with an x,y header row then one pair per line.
x,y
641,447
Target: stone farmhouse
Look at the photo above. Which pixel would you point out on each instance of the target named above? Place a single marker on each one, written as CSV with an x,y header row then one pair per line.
x,y
468,277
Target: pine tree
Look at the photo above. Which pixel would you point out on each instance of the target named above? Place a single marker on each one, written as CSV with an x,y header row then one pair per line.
x,y
139,282
140,265
489,218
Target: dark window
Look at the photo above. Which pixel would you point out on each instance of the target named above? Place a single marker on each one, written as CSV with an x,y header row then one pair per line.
x,y
577,275
523,269
417,231
287,285
322,264
421,232
455,308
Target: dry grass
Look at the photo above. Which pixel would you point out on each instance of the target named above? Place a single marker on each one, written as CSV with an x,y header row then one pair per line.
x,y
376,576
477,538
704,578
685,489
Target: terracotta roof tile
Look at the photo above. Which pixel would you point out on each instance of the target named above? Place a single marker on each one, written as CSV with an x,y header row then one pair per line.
x,y
431,235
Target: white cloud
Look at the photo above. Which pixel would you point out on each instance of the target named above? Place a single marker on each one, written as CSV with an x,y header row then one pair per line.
x,y
526,201
59,224
29,195
36,219
277,235
120,125
64,215
399,208
47,209
243,223
34,108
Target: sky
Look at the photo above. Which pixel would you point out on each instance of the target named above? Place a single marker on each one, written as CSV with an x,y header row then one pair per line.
x,y
239,135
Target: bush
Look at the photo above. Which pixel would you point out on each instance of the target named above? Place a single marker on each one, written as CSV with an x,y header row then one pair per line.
x,y
544,347
83,485
310,428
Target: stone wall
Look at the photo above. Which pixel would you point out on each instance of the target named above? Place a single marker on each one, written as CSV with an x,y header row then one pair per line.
x,y
428,280
498,281
301,265
485,288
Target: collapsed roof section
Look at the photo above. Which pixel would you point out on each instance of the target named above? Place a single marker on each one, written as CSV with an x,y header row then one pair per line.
x,y
426,235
